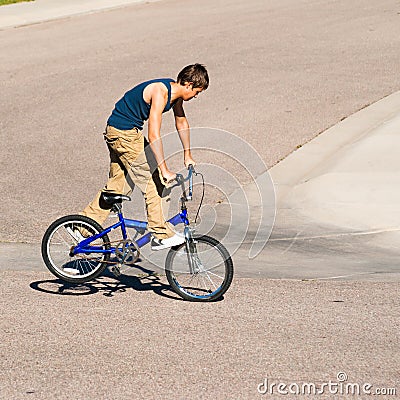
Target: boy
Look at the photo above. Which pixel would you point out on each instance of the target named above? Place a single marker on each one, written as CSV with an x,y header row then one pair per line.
x,y
126,144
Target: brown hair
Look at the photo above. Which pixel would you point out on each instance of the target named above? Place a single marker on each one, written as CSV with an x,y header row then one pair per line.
x,y
195,73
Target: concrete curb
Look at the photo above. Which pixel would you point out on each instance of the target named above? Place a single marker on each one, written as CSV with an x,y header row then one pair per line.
x,y
294,168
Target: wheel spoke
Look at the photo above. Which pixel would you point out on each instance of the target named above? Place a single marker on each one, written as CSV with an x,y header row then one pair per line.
x,y
212,283
212,273
204,283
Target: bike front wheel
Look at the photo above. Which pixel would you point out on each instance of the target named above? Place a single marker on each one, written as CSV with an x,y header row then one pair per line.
x,y
200,269
62,236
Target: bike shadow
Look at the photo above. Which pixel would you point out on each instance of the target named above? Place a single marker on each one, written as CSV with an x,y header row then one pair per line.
x,y
109,285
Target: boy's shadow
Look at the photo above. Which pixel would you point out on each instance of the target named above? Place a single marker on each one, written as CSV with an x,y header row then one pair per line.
x,y
108,284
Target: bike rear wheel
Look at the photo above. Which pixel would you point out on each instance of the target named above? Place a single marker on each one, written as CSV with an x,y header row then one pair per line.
x,y
200,270
60,238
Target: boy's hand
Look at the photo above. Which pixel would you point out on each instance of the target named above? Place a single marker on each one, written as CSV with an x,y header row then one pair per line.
x,y
189,161
168,176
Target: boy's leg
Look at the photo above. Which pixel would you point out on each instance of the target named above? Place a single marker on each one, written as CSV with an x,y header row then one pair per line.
x,y
157,203
97,209
130,147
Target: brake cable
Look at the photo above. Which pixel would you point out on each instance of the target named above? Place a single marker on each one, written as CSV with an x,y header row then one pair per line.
x,y
202,196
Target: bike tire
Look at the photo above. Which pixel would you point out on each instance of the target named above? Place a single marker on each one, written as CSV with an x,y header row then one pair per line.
x,y
183,281
57,243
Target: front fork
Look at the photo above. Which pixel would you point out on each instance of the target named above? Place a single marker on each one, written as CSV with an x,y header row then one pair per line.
x,y
190,243
191,250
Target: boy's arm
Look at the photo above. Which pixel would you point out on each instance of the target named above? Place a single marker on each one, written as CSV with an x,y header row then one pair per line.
x,y
182,126
158,102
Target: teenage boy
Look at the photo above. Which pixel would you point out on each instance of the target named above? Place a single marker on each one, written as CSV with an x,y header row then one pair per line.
x,y
126,144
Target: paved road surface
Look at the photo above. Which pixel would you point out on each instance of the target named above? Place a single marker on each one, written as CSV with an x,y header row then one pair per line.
x,y
280,74
133,340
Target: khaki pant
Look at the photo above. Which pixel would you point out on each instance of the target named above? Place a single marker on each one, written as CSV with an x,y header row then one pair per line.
x,y
128,156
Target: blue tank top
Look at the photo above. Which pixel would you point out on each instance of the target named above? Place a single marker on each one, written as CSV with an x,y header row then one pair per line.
x,y
131,111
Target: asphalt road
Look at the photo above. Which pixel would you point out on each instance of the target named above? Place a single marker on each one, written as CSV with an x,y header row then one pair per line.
x,y
281,72
133,339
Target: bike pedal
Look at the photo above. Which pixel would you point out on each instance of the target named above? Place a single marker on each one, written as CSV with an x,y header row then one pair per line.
x,y
116,270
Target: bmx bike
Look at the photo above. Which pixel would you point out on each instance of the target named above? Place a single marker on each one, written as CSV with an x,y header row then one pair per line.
x,y
200,269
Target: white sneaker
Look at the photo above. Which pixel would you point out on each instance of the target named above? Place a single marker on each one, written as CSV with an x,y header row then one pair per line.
x,y
159,244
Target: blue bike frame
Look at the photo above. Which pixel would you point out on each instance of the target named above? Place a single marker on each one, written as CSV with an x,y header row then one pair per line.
x,y
124,223
141,226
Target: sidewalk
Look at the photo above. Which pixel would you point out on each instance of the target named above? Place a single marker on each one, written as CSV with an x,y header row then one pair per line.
x,y
27,13
348,177
338,198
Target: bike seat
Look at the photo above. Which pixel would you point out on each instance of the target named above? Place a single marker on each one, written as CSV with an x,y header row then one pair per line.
x,y
113,198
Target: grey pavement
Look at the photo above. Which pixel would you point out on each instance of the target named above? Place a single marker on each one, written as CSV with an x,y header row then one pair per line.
x,y
321,297
275,88
132,339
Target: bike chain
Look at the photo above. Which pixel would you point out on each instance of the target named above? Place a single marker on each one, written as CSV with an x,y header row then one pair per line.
x,y
120,255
